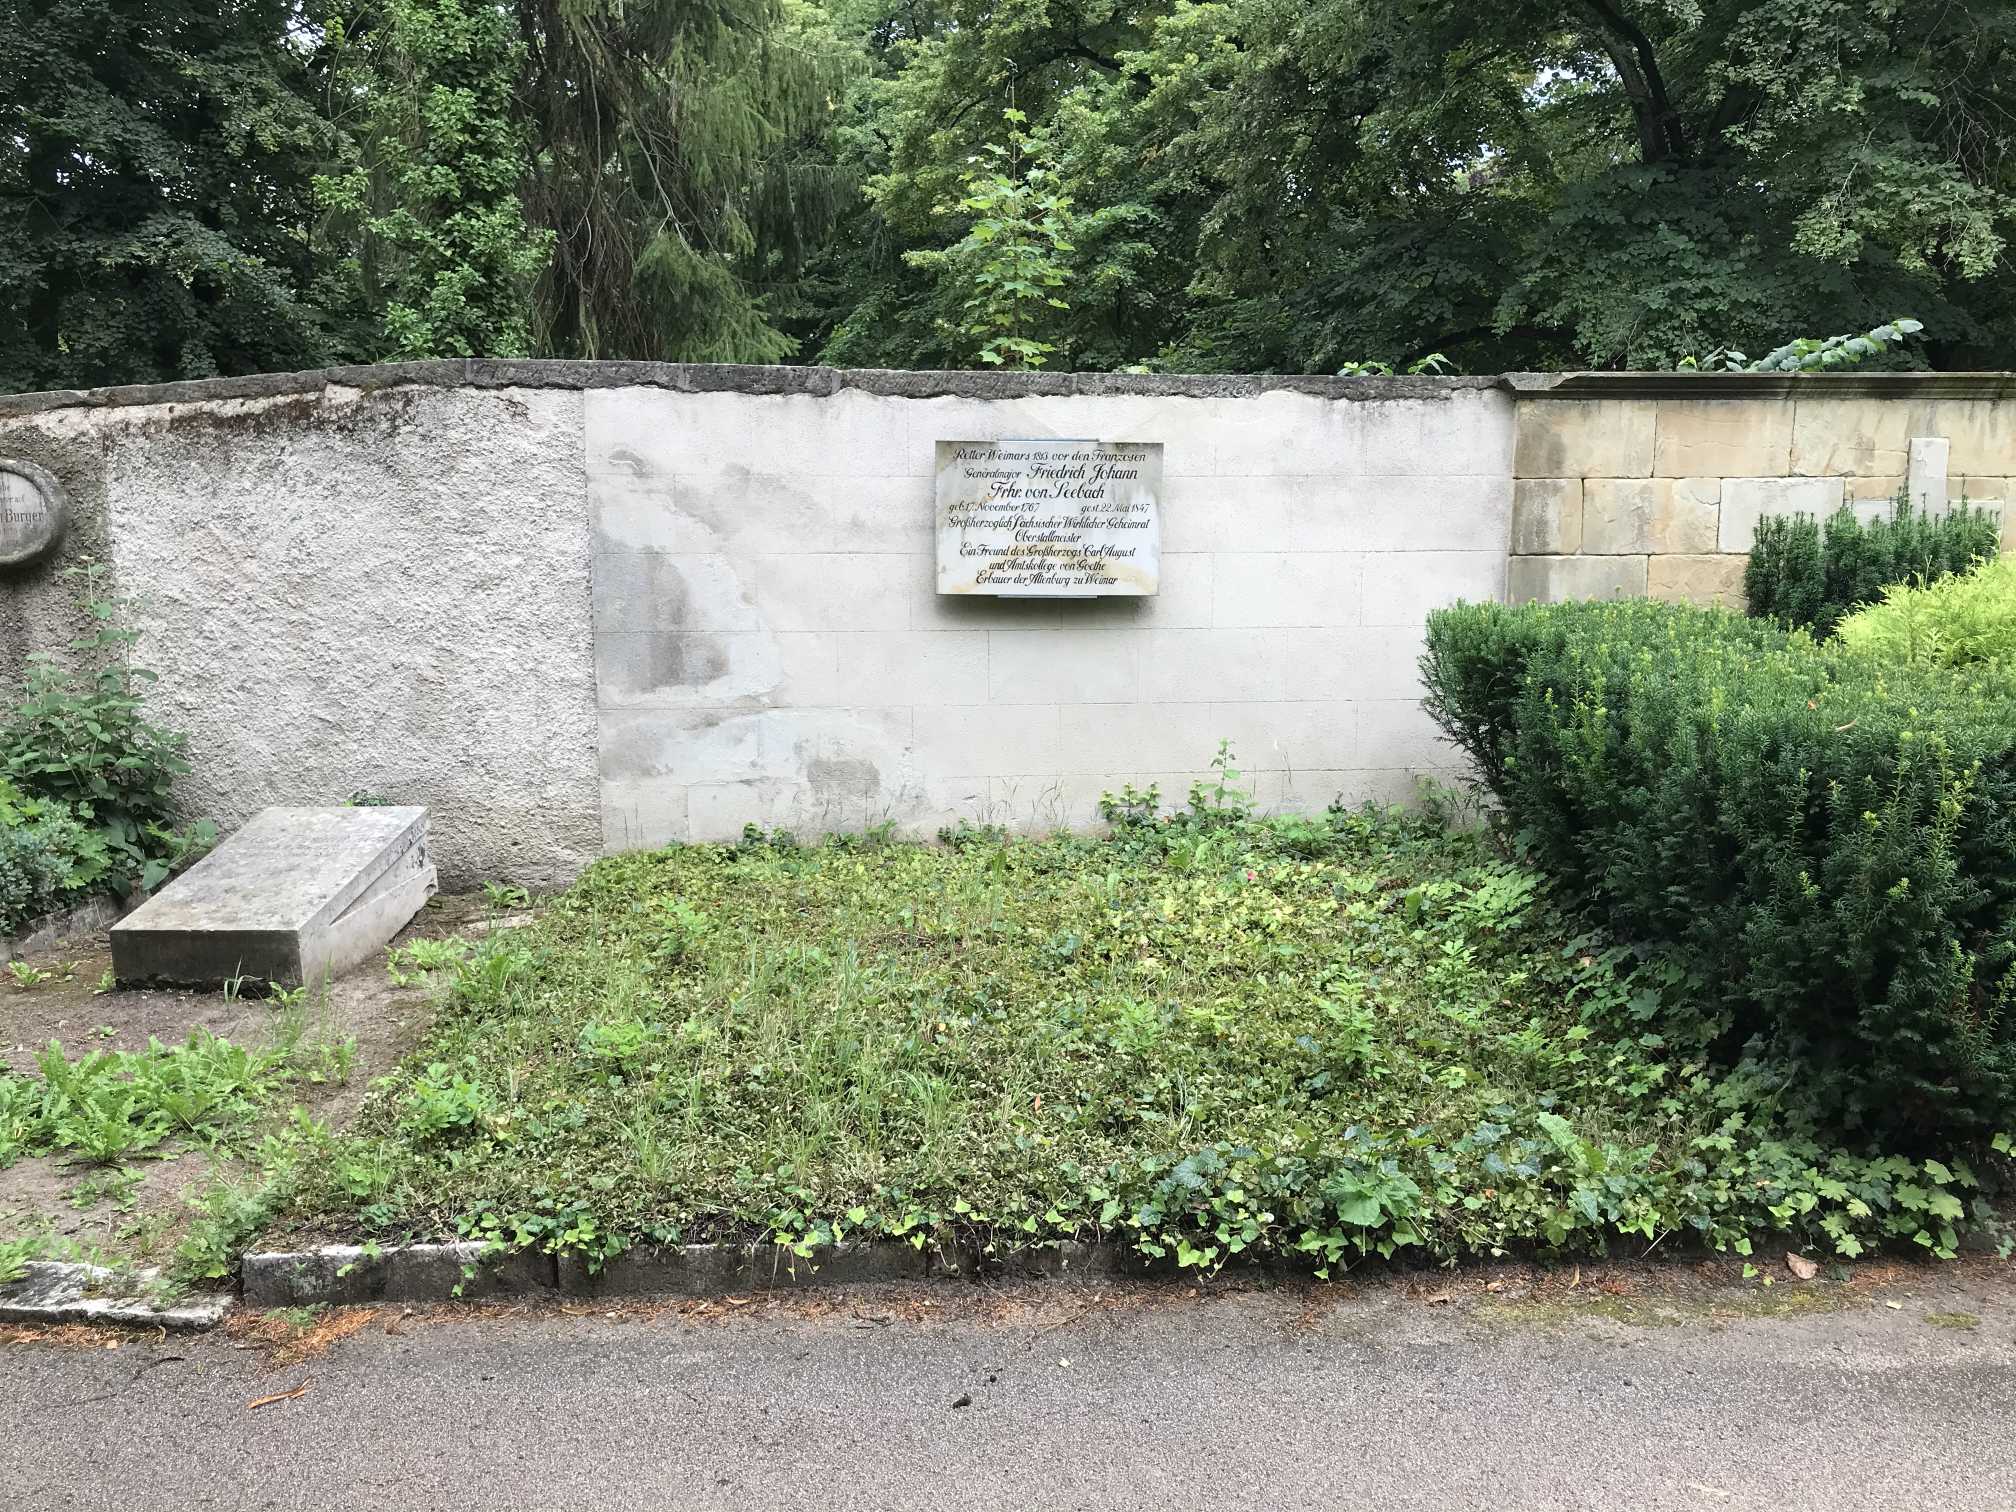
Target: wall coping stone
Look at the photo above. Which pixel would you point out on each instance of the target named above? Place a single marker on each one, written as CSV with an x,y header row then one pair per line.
x,y
822,382
707,378
2000,385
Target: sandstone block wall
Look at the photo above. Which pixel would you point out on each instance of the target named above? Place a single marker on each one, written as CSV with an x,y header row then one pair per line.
x,y
1654,484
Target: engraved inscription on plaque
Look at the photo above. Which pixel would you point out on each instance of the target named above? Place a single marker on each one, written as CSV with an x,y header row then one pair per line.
x,y
1049,518
31,511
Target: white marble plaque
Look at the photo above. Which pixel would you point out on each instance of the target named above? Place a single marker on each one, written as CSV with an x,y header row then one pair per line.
x,y
31,511
1050,518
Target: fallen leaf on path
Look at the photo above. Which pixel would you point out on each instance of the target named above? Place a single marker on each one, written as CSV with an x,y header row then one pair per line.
x,y
1440,1298
1801,1267
736,1301
278,1396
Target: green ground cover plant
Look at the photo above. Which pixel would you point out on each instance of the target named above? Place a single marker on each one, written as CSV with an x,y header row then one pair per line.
x,y
1825,842
99,1111
1811,574
1208,1035
105,1107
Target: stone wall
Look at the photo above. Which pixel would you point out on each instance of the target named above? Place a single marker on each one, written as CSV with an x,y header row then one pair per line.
x,y
1654,484
577,607
346,589
770,646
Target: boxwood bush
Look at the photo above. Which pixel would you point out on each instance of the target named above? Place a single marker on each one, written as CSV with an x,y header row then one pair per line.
x,y
1827,843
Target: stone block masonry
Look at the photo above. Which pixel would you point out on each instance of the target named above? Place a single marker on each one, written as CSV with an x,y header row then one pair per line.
x,y
1655,484
580,607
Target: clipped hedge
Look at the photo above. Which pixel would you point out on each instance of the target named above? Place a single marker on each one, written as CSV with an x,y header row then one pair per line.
x,y
1827,843
1811,575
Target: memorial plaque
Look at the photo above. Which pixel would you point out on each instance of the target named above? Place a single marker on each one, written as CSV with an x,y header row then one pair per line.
x,y
1049,518
31,512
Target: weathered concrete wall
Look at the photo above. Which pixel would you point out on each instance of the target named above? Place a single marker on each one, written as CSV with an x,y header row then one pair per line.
x,y
586,606
1644,484
349,591
770,645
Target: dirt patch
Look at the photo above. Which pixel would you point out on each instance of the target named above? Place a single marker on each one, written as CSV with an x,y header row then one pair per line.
x,y
70,1007
288,1336
102,1214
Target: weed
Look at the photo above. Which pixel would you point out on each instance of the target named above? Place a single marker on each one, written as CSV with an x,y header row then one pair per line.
x,y
117,1186
227,1215
108,1106
412,963
503,895
445,1101
26,976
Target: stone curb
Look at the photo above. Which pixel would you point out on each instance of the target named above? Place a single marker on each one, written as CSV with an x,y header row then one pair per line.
x,y
61,1291
346,1273
411,1273
92,916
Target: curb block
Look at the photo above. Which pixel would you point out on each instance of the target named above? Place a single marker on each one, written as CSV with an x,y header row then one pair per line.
x,y
62,1291
711,1270
344,1273
414,1273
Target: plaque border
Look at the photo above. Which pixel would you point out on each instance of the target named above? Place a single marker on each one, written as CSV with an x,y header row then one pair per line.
x,y
54,497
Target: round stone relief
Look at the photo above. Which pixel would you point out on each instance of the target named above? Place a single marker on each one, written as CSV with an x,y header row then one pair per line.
x,y
32,510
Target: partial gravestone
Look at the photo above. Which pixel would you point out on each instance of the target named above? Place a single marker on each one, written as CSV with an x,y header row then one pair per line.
x,y
297,895
33,508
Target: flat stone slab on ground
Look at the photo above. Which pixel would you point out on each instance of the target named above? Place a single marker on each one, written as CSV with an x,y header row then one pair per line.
x,y
61,1291
297,894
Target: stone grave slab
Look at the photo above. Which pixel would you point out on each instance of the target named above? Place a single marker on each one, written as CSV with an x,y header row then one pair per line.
x,y
296,895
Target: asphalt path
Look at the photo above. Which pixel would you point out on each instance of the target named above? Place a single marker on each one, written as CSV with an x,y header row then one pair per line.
x,y
1605,1389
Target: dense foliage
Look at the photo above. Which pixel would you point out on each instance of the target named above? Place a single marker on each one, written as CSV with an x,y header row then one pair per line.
x,y
1956,621
156,219
1205,1036
1808,575
425,192
47,858
1298,185
1827,843
86,778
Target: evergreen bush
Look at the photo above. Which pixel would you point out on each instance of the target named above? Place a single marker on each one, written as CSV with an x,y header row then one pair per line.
x,y
1826,842
1812,575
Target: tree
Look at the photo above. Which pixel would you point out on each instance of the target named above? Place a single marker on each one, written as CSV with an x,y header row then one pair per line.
x,y
999,282
940,75
1539,183
428,193
669,168
155,218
